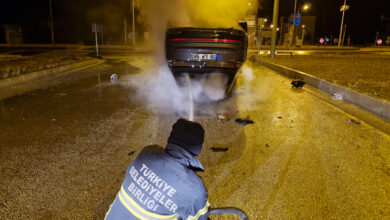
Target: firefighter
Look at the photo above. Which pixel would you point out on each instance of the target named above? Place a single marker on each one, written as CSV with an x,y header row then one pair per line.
x,y
162,183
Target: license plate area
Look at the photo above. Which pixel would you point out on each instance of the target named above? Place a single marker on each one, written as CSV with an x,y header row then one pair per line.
x,y
204,56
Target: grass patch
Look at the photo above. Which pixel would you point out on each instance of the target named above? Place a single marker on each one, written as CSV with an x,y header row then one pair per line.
x,y
367,73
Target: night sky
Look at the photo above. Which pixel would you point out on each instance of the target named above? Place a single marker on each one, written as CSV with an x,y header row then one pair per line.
x,y
73,18
363,19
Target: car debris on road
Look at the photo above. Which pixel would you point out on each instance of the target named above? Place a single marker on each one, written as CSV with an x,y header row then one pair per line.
x,y
219,149
353,121
337,96
114,77
297,84
245,121
224,118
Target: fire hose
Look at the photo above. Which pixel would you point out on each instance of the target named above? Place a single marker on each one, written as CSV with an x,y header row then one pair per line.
x,y
234,211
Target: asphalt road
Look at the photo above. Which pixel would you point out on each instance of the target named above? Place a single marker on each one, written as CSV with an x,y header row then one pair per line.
x,y
64,148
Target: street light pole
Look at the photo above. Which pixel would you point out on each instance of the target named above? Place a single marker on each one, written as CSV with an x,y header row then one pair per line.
x,y
274,28
133,18
101,33
125,30
376,37
345,30
293,25
342,21
51,24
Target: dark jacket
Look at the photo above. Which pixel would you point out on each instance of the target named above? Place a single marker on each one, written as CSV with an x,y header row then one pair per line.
x,y
161,184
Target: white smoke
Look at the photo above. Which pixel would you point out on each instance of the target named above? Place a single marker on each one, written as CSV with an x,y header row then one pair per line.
x,y
156,84
161,93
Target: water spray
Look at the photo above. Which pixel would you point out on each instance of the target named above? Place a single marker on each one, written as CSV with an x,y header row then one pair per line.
x,y
191,100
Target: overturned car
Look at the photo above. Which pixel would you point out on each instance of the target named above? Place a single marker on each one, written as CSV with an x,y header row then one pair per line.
x,y
202,51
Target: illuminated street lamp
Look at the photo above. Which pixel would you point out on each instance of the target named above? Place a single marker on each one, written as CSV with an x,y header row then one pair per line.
x,y
306,7
343,8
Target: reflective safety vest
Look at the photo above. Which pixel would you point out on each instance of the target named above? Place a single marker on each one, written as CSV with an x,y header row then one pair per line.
x,y
138,211
161,185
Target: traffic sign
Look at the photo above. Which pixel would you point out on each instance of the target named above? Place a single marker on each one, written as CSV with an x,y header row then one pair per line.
x,y
379,41
95,27
297,19
322,40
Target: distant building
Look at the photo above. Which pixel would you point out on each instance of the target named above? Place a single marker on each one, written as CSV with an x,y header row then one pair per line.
x,y
384,32
308,25
306,28
251,25
264,32
11,34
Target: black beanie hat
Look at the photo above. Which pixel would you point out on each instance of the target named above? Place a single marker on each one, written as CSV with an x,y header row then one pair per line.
x,y
188,135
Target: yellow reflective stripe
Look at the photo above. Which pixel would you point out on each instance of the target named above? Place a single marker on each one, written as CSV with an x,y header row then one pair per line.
x,y
130,209
105,217
200,212
174,216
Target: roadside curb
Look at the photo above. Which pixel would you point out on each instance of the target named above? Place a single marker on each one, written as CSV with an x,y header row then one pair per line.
x,y
320,48
21,79
371,104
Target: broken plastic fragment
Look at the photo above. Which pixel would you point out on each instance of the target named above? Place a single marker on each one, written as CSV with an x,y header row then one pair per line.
x,y
245,121
297,84
219,149
113,77
337,96
353,121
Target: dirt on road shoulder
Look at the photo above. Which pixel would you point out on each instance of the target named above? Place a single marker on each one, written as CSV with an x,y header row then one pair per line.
x,y
15,65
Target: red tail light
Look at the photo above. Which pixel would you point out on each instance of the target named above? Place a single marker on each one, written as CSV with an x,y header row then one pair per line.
x,y
205,40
